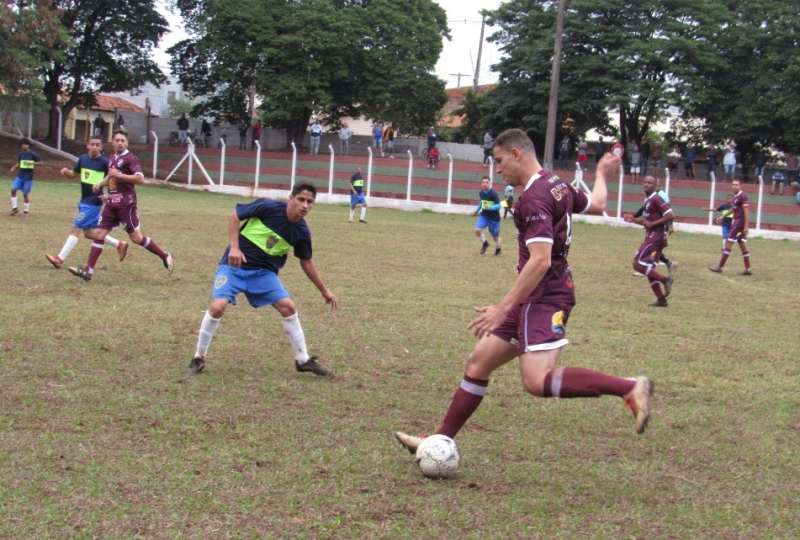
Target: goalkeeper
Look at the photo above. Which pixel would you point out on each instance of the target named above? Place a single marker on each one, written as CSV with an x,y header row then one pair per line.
x,y
488,212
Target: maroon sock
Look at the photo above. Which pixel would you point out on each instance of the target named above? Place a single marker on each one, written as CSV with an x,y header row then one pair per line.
x,y
94,254
466,401
725,254
572,382
656,286
152,247
746,257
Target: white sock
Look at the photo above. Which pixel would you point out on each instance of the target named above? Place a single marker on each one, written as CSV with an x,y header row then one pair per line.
x,y
25,207
71,242
497,243
363,211
291,325
482,238
352,213
111,241
13,202
207,330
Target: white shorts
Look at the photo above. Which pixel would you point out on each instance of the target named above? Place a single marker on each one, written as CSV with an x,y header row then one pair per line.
x,y
636,170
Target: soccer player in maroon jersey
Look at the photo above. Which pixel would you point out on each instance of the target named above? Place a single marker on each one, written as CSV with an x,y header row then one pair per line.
x,y
739,229
529,323
124,172
656,218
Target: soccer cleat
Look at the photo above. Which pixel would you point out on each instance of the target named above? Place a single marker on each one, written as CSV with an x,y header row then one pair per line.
x,y
122,249
638,401
25,213
667,286
485,247
311,366
716,269
196,366
362,220
673,265
168,264
497,251
81,273
661,302
409,442
55,260
14,211
748,272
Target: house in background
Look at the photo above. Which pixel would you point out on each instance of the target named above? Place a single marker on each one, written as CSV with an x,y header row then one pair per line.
x,y
157,98
78,124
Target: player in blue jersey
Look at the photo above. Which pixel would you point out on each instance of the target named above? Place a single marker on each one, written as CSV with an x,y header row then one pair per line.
x,y
488,212
258,250
24,180
91,168
357,195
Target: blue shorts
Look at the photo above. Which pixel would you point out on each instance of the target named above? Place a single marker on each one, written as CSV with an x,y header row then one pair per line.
x,y
355,200
730,169
22,185
494,226
261,286
88,216
726,230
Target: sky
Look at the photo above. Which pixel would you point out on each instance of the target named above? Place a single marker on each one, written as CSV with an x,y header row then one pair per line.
x,y
459,55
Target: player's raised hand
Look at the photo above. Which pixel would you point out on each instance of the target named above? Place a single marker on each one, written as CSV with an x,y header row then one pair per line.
x,y
236,257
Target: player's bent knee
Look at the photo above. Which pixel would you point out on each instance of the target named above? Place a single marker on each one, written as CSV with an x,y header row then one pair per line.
x,y
285,307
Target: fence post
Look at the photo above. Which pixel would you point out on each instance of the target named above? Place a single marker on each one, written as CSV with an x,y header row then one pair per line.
x,y
223,146
450,179
30,118
491,170
711,199
410,165
760,201
60,124
369,171
330,171
619,195
294,164
190,151
666,184
258,161
155,156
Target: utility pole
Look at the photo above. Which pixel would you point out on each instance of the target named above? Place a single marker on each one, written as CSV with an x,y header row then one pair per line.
x,y
552,110
478,61
459,75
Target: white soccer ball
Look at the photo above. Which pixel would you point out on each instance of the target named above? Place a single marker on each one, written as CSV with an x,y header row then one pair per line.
x,y
438,457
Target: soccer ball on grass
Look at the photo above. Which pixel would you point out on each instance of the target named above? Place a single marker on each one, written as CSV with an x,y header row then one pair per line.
x,y
438,457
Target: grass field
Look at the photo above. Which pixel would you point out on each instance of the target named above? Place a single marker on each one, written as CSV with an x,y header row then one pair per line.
x,y
102,436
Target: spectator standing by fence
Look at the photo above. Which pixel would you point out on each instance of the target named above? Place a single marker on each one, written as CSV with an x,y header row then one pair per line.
x,y
673,158
729,162
345,133
242,127
711,160
377,137
316,137
760,161
599,150
688,159
121,123
583,155
644,148
488,144
205,131
183,127
564,151
655,159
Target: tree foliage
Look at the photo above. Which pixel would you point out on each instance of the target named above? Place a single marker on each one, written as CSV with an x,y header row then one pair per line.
x,y
333,57
109,50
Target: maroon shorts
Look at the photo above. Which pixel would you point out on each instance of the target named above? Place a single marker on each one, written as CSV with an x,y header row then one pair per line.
x,y
536,327
649,253
127,216
736,234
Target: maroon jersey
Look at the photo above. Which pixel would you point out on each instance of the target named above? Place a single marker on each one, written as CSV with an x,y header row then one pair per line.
x,y
120,192
654,209
544,214
740,202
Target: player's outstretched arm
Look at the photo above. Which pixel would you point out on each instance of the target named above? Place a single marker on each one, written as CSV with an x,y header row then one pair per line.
x,y
606,168
311,272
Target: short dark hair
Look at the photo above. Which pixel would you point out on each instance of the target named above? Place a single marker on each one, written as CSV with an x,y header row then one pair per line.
x,y
24,140
120,132
304,186
515,138
98,137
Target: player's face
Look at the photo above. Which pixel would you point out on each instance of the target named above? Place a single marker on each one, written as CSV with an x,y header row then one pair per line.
x,y
94,146
25,147
507,164
120,143
485,184
649,185
736,186
299,205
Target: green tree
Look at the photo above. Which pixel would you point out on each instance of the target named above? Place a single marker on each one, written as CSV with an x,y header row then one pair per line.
x,y
109,50
636,57
177,107
332,57
473,119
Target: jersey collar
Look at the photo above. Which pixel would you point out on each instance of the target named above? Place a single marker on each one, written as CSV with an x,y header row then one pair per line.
x,y
532,180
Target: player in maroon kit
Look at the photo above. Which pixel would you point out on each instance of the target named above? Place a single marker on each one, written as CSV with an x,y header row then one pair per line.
x,y
739,229
656,219
124,172
529,323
